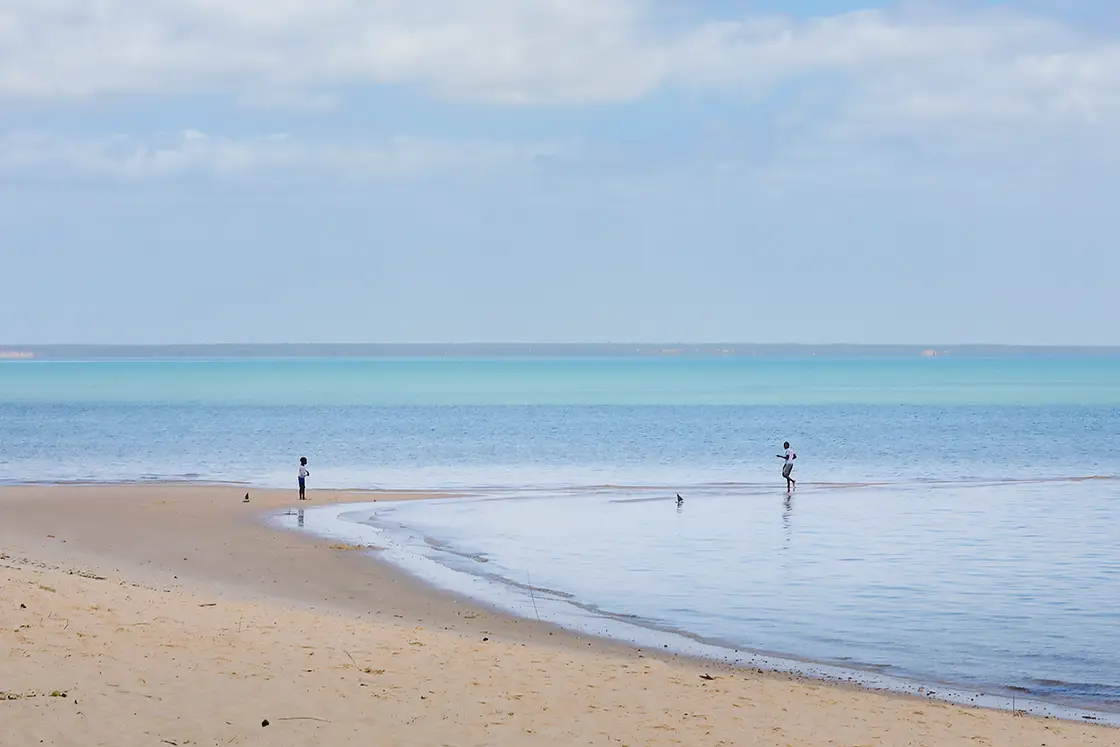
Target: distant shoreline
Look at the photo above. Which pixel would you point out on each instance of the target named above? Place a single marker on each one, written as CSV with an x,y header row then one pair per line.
x,y
542,350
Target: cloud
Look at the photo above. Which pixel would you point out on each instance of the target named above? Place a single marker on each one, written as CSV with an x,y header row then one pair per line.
x,y
915,95
910,70
193,153
502,50
905,67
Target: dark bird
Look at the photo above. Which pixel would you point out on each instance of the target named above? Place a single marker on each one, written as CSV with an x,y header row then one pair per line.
x,y
680,501
246,498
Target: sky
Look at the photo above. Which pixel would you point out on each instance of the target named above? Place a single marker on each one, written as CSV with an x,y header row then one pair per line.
x,y
813,171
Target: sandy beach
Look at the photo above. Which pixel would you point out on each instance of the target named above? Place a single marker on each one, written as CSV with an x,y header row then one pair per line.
x,y
171,615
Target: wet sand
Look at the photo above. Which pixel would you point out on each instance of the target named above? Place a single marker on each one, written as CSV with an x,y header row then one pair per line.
x,y
141,615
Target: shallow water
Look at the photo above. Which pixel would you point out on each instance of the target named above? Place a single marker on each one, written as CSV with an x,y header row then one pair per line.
x,y
1006,589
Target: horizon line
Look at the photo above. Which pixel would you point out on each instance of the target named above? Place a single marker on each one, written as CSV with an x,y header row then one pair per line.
x,y
27,351
641,343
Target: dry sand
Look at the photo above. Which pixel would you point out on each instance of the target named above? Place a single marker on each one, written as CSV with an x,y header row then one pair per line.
x,y
170,615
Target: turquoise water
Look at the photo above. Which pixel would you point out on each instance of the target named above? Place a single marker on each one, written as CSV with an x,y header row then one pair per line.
x,y
731,381
470,423
943,529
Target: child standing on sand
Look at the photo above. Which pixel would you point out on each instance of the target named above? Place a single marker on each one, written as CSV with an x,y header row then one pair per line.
x,y
303,475
787,468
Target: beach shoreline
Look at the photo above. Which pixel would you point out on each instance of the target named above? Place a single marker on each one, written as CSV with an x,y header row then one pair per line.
x,y
437,561
174,545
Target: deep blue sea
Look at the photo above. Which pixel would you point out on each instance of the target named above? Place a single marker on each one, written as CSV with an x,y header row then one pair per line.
x,y
944,530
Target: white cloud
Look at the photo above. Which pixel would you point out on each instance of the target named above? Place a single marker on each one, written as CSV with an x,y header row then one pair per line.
x,y
906,70
193,153
905,67
892,96
500,50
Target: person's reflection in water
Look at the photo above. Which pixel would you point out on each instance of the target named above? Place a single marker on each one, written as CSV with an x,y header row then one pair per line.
x,y
787,520
299,517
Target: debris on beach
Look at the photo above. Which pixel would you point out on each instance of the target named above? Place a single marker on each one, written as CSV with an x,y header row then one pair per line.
x,y
17,696
349,547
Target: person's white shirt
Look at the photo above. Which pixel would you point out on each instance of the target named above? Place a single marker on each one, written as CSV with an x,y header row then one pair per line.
x,y
790,456
303,473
